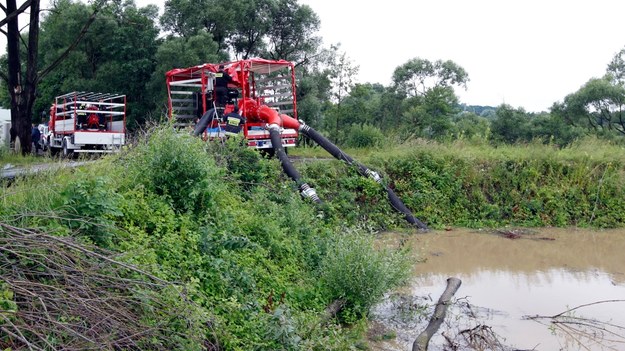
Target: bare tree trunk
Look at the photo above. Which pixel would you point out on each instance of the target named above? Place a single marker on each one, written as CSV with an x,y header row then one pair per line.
x,y
422,341
22,90
14,74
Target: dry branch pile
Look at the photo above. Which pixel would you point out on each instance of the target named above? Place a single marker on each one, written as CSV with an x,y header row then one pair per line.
x,y
58,294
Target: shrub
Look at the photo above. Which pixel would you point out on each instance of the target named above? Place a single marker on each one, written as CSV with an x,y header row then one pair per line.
x,y
175,166
366,135
355,271
93,202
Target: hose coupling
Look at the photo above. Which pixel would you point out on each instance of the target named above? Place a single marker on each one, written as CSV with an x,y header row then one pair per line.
x,y
273,126
374,175
303,127
309,192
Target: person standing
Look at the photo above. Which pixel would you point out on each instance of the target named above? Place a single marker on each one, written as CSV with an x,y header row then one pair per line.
x,y
222,79
35,137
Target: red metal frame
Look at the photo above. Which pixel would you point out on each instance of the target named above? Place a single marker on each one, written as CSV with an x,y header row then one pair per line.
x,y
244,74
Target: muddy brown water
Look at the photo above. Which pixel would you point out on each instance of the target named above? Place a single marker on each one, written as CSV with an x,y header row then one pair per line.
x,y
540,272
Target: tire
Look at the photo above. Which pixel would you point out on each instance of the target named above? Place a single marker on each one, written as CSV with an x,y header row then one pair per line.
x,y
268,153
67,153
53,151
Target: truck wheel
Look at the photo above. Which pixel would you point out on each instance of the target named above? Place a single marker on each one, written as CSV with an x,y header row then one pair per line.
x,y
53,151
268,153
67,153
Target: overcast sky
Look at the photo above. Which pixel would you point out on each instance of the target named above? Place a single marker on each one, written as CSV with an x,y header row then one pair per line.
x,y
528,53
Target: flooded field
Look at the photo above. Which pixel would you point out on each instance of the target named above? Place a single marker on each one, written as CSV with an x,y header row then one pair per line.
x,y
508,279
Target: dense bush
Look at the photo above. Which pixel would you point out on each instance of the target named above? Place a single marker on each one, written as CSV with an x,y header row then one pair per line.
x,y
477,185
174,166
353,270
538,188
364,136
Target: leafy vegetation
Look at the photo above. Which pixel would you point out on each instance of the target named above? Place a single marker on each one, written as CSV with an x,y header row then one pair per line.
x,y
477,185
213,230
248,257
255,266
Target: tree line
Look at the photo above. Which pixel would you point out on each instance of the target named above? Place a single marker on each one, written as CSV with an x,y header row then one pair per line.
x,y
115,46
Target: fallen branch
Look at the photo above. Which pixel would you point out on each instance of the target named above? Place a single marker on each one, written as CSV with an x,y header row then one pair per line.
x,y
330,312
422,341
580,329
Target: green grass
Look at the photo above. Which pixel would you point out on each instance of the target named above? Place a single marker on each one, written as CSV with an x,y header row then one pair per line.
x,y
15,159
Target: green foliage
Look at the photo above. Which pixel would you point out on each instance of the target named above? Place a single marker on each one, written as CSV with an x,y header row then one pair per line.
x,y
535,185
93,203
7,302
510,125
419,76
348,197
292,34
227,226
355,271
175,166
242,163
469,183
281,327
116,55
364,136
470,126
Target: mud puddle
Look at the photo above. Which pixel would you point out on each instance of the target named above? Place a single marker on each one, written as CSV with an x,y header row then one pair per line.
x,y
512,280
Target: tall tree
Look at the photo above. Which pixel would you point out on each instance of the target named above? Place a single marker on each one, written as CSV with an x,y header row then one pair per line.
x,y
117,55
343,75
430,98
510,125
292,34
419,76
186,18
21,88
22,82
252,24
599,105
274,29
180,52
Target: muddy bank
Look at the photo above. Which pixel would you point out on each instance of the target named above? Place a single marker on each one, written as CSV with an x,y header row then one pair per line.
x,y
508,276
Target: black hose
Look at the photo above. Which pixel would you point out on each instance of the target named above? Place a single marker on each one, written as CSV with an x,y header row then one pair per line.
x,y
203,123
276,142
364,171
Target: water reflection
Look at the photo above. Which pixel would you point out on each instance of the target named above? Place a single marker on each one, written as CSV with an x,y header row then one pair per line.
x,y
544,273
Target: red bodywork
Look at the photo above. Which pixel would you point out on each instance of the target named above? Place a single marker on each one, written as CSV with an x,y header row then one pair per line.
x,y
267,95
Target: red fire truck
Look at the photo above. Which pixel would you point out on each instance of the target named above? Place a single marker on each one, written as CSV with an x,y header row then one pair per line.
x,y
192,95
87,122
